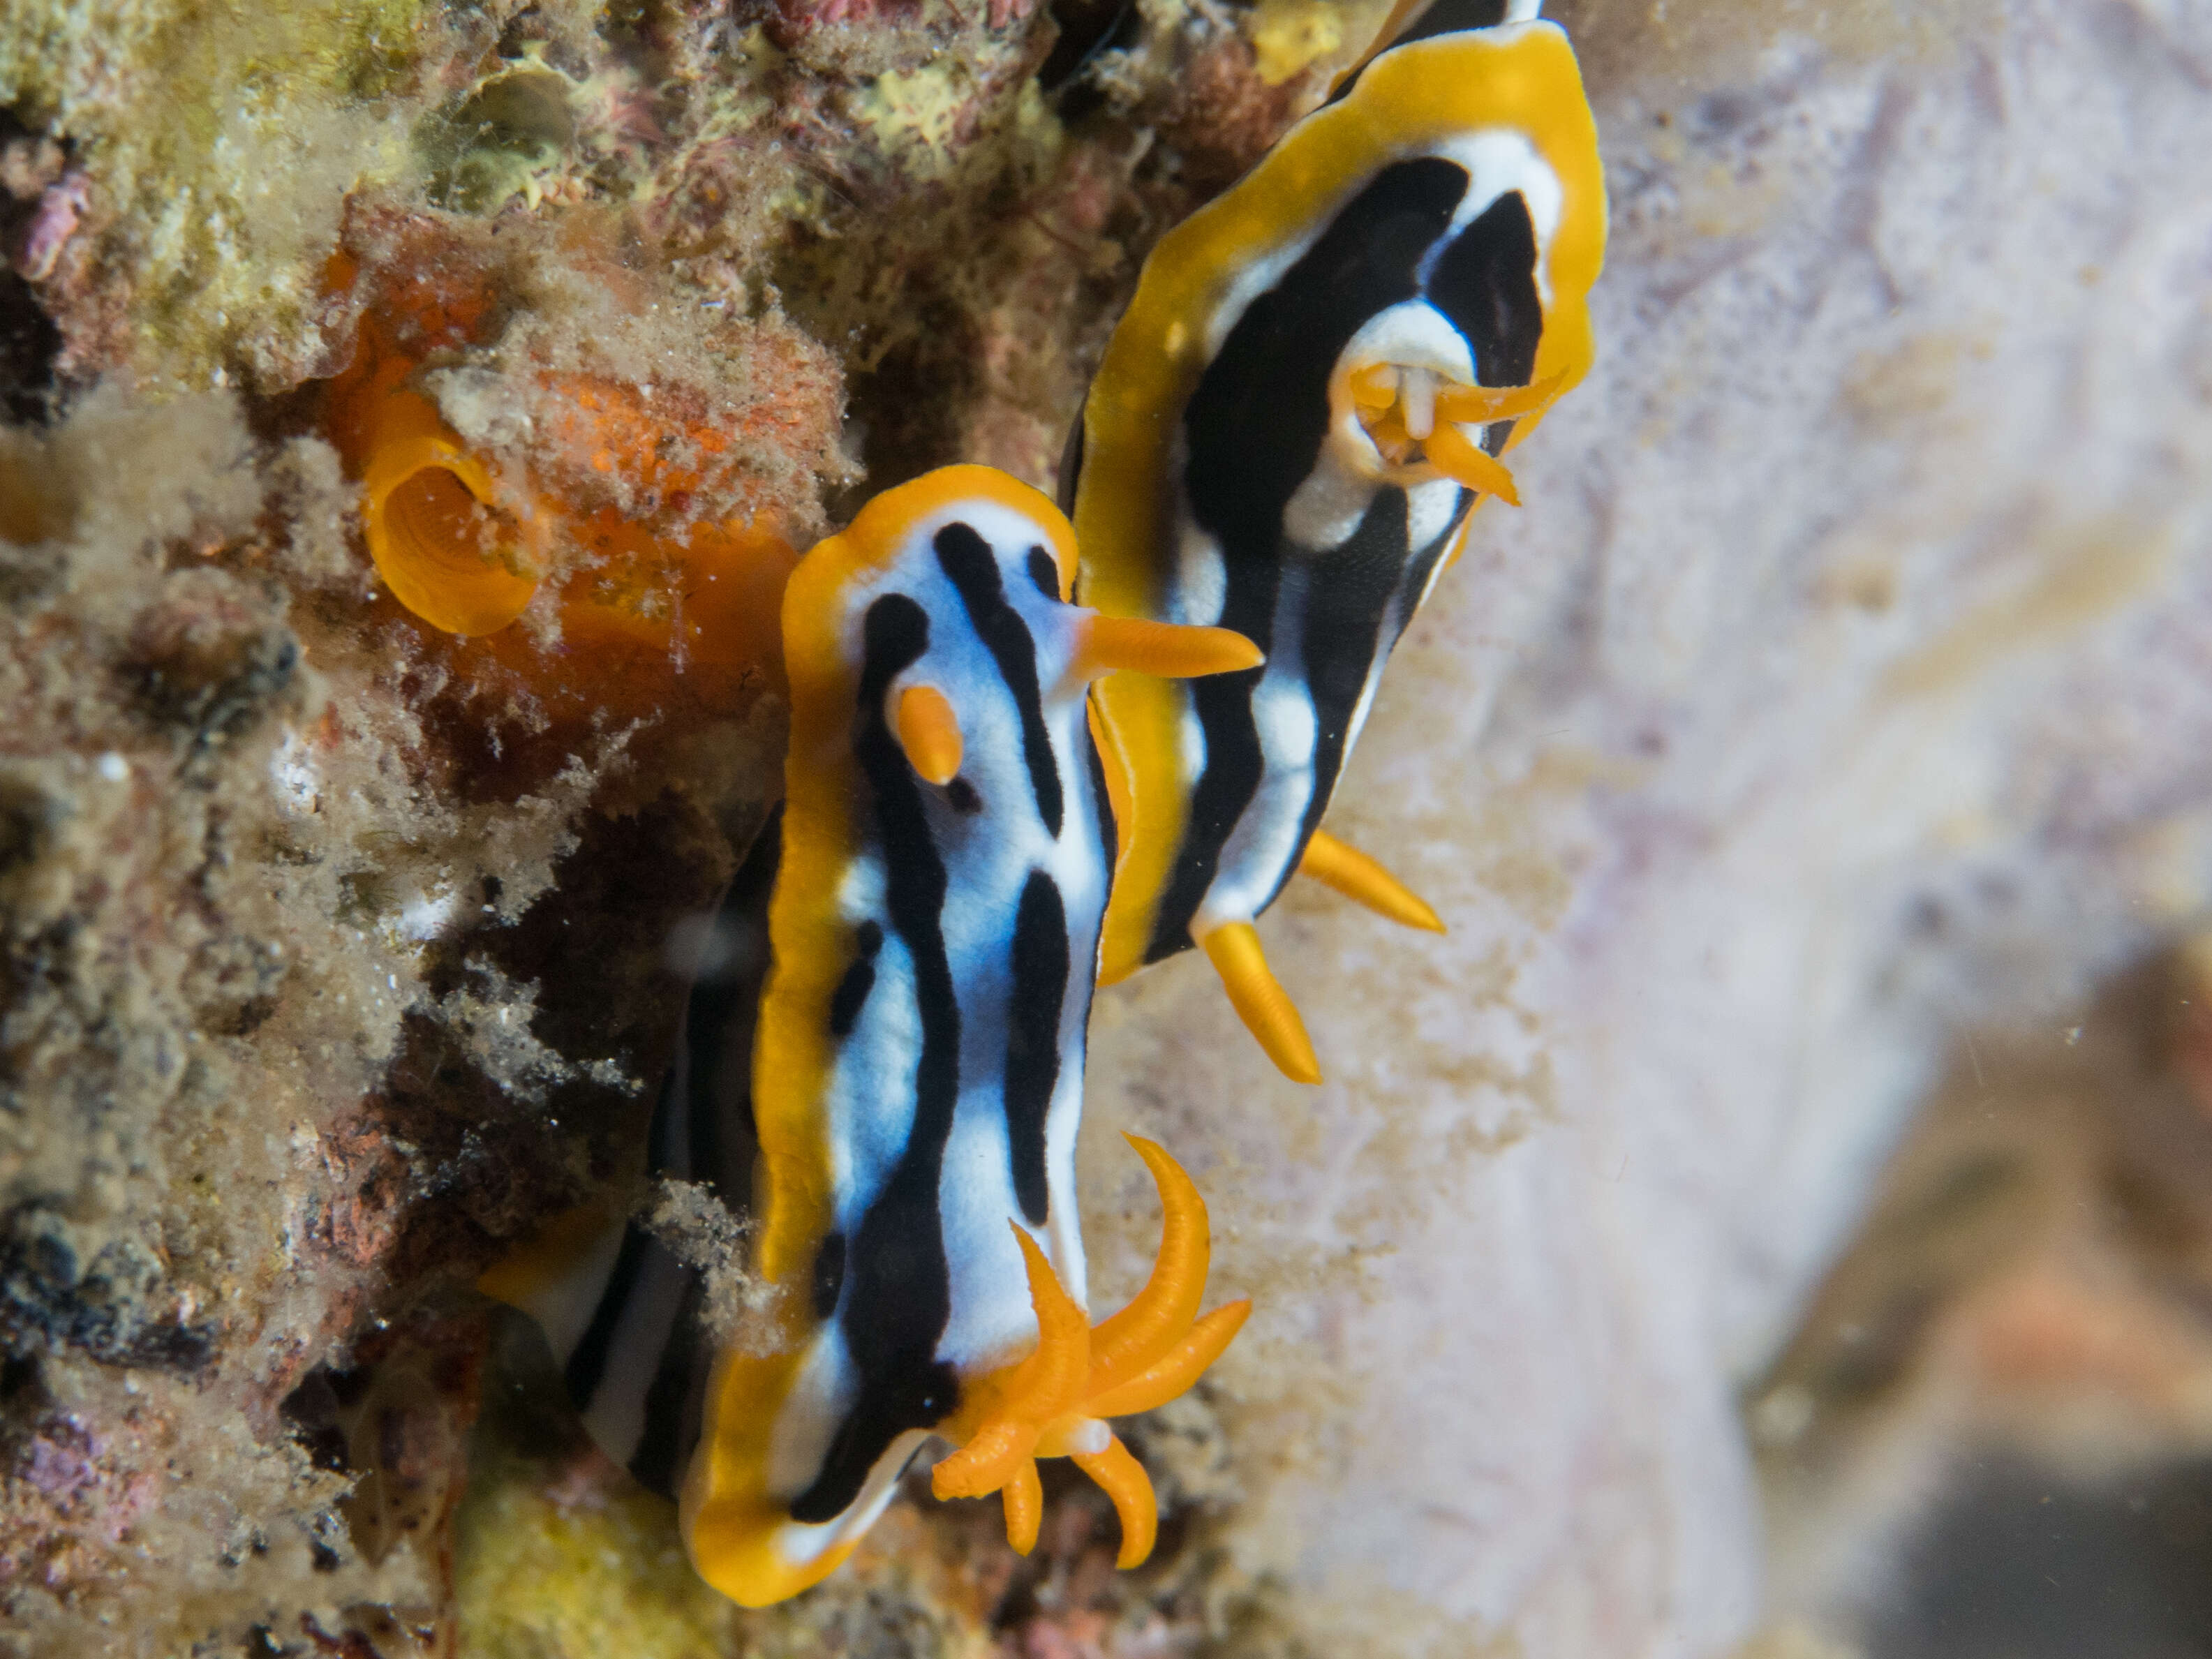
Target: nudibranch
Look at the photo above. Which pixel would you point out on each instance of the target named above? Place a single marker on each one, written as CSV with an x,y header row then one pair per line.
x,y
934,886
1306,395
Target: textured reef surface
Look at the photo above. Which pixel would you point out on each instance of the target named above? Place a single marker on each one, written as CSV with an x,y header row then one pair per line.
x,y
1828,739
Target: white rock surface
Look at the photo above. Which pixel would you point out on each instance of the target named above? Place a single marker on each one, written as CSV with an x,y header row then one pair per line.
x,y
1848,675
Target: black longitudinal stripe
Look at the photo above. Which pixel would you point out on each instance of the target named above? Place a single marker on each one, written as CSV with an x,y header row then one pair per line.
x,y
1234,765
1421,569
1485,280
828,1275
1443,17
669,1140
586,1364
967,561
1103,803
1044,571
670,1426
1254,430
1450,17
1040,992
1369,580
897,1290
718,1021
1071,461
703,1131
852,992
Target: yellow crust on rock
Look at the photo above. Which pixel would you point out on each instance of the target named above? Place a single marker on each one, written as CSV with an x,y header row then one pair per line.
x,y
1522,76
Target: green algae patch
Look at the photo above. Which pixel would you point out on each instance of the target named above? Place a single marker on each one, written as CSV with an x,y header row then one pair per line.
x,y
499,141
219,145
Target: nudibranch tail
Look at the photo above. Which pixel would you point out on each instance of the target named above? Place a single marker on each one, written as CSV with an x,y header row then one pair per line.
x,y
1365,881
1052,1404
1260,1000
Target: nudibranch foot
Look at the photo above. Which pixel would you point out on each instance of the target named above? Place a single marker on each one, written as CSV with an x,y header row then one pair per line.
x,y
1260,1000
1052,1404
1365,881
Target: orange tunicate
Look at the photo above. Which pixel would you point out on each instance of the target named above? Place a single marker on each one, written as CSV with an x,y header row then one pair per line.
x,y
466,548
661,618
456,548
652,607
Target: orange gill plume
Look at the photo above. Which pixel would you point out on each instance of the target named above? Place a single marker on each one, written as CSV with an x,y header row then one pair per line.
x,y
653,605
1054,1403
1416,417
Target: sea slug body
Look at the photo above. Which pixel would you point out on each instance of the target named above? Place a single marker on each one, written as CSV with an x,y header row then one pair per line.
x,y
934,886
1304,401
